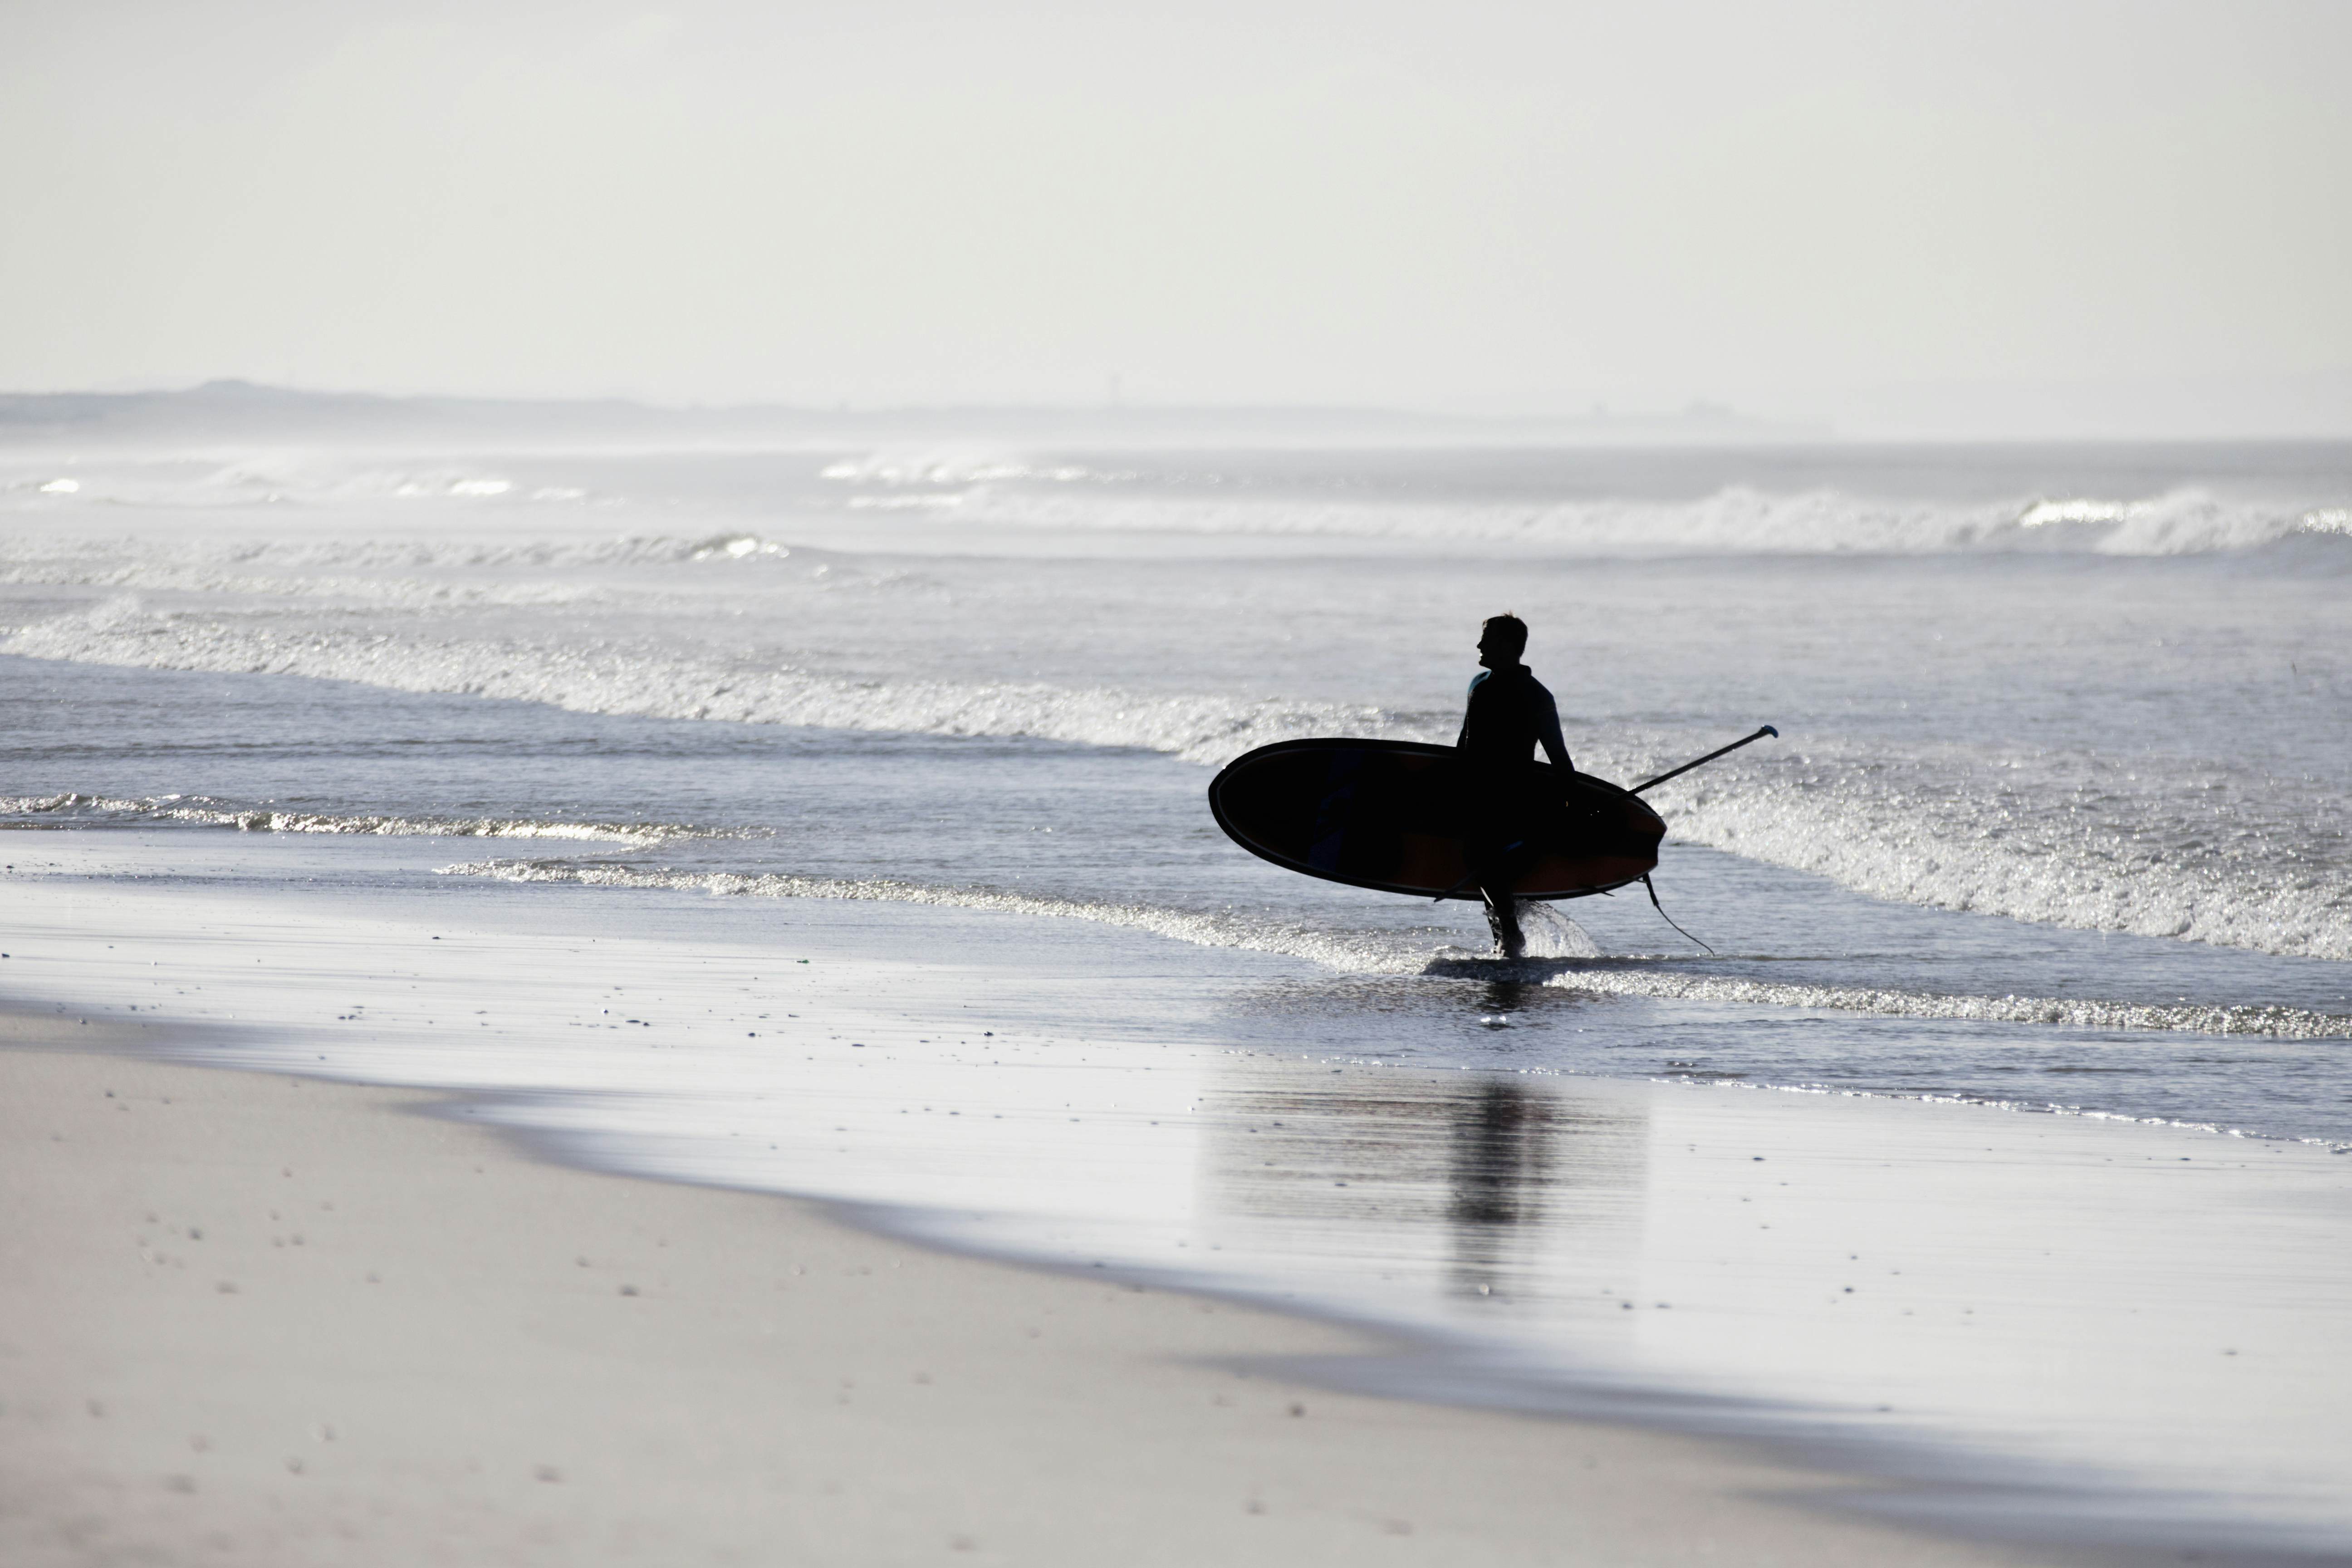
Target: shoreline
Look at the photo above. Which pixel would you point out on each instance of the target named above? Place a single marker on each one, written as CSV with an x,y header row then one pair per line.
x,y
415,1369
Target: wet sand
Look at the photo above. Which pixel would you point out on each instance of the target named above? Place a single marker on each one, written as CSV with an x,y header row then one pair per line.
x,y
257,1319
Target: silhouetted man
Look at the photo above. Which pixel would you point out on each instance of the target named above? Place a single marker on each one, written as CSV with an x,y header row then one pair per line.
x,y
1510,714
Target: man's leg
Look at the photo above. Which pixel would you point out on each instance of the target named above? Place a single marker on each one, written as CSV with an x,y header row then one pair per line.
x,y
1497,862
1503,919
1498,850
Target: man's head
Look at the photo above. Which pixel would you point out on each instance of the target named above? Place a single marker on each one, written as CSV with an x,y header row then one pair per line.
x,y
1501,640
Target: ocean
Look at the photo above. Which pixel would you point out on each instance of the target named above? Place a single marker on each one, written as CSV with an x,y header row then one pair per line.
x,y
2050,861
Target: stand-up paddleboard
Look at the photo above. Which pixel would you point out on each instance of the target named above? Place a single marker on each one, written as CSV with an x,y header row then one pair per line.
x,y
1389,815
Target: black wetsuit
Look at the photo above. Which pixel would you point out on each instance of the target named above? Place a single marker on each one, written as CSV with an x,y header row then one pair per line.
x,y
1509,715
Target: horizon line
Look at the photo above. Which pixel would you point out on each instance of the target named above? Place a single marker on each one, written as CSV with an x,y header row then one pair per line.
x,y
1695,422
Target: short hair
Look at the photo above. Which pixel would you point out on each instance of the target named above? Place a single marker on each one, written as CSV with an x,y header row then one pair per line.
x,y
1508,630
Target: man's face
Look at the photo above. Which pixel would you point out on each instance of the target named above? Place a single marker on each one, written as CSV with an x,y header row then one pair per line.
x,y
1491,651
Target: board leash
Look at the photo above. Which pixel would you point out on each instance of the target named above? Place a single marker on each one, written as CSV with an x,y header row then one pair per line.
x,y
1665,917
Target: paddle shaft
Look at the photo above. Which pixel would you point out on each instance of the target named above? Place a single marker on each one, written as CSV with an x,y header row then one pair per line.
x,y
1702,761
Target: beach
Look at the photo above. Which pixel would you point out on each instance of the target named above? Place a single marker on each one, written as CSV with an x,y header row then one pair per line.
x,y
263,1319
1743,1276
797,854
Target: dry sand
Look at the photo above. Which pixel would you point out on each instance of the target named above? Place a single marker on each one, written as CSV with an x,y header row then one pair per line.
x,y
256,1319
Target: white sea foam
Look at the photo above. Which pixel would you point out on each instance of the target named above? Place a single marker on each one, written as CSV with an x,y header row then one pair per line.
x,y
1359,951
905,503
736,547
1734,521
2275,1023
328,565
2049,845
269,819
1364,952
266,479
960,463
1203,728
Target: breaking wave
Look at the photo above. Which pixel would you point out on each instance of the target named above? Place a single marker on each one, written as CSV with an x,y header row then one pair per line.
x,y
1365,951
981,486
2276,1023
274,480
2071,849
2057,840
375,572
1361,952
198,811
1206,729
1736,520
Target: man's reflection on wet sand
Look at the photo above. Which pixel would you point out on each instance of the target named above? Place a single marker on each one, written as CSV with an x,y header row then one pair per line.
x,y
1502,1137
1507,1184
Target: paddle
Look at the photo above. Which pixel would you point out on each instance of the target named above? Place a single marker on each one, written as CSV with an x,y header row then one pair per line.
x,y
1687,767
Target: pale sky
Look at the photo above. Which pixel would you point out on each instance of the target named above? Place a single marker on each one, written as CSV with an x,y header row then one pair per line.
x,y
1801,209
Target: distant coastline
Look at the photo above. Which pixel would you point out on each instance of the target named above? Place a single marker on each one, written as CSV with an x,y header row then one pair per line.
x,y
231,406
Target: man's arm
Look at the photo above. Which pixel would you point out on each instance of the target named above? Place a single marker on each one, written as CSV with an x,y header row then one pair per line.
x,y
1547,718
1463,738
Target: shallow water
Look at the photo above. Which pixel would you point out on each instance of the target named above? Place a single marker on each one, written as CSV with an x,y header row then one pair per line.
x,y
2146,1027
2056,825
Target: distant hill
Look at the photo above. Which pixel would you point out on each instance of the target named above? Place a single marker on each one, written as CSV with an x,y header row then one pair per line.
x,y
246,411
